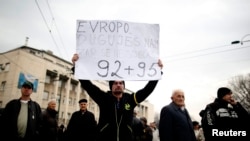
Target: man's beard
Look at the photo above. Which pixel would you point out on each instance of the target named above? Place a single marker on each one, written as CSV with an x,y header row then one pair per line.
x,y
118,92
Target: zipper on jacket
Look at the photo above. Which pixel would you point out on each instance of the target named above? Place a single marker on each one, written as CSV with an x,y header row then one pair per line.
x,y
117,124
104,127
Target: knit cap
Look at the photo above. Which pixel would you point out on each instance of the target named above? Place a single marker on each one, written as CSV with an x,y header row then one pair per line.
x,y
223,91
112,82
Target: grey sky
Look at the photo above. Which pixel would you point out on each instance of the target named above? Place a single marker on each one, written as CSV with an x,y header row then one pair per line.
x,y
195,38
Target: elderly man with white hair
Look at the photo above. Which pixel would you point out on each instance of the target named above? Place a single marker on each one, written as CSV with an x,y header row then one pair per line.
x,y
49,122
175,123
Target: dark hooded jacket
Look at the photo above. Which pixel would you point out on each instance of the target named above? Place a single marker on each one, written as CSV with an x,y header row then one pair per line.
x,y
222,116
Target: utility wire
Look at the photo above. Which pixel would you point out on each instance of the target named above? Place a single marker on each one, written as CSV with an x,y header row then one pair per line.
x,y
198,50
54,21
191,52
43,16
178,59
48,27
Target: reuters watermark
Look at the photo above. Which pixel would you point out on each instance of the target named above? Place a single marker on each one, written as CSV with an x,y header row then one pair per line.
x,y
228,133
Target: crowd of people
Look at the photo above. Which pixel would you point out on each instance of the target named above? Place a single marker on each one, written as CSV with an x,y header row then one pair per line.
x,y
23,120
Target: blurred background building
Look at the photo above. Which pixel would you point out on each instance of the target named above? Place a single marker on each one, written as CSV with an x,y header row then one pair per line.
x,y
53,79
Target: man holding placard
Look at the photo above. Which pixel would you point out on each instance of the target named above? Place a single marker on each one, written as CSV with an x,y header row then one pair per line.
x,y
116,107
118,42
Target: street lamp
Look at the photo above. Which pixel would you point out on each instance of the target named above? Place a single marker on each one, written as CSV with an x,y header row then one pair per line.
x,y
241,41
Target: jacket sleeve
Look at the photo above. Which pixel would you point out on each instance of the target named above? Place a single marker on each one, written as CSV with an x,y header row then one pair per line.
x,y
93,91
165,125
241,110
243,116
142,94
208,122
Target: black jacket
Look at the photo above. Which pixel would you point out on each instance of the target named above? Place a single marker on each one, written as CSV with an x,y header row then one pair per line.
x,y
81,126
49,125
116,117
10,116
222,116
138,128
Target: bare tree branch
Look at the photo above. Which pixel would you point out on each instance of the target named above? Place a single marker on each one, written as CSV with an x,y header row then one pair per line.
x,y
241,89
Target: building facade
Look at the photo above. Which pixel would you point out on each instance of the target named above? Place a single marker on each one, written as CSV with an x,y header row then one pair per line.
x,y
53,79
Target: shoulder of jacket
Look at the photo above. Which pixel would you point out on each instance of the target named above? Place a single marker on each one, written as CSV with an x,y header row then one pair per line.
x,y
34,103
76,112
166,108
91,113
210,105
13,102
127,94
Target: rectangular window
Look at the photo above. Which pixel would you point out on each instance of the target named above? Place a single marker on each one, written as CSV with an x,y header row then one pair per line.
x,y
69,115
3,84
7,67
62,115
60,84
70,101
45,95
74,102
58,98
71,87
1,67
47,79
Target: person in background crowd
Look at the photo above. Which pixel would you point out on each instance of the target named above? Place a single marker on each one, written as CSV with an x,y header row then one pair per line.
x,y
137,127
198,131
82,124
175,123
147,131
116,107
155,131
1,112
49,128
22,117
61,131
1,121
226,116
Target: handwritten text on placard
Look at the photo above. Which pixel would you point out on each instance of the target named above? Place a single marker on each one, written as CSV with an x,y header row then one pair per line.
x,y
115,50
